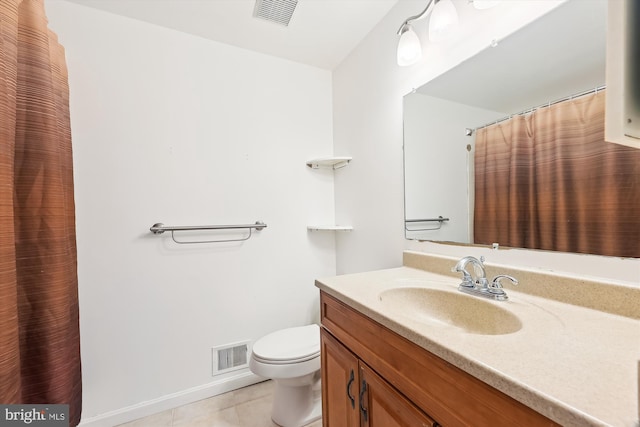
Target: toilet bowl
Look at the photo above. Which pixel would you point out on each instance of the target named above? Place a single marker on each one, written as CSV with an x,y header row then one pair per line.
x,y
291,358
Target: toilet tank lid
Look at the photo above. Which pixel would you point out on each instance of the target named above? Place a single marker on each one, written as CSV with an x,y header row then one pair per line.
x,y
289,344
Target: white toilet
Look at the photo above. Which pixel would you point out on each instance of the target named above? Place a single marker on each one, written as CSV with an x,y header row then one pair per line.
x,y
291,358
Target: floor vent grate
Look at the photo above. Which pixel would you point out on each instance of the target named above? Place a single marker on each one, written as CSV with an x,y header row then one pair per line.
x,y
230,357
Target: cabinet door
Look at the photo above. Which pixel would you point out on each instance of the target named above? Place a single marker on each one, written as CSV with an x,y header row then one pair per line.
x,y
339,384
384,406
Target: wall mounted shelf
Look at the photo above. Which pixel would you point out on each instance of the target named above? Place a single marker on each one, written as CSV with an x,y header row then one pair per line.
x,y
329,162
329,228
334,162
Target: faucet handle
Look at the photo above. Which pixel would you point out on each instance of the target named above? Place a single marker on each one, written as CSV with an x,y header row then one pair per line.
x,y
496,286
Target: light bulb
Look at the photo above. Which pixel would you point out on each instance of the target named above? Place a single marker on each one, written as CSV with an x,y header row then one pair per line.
x,y
409,48
443,18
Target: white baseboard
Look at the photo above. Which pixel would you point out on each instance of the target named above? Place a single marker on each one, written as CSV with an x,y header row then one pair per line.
x,y
150,407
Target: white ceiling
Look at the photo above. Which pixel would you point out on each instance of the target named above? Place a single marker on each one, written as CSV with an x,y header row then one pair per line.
x,y
321,33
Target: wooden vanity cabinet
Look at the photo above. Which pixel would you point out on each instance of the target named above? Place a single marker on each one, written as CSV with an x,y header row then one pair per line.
x,y
354,395
340,383
398,383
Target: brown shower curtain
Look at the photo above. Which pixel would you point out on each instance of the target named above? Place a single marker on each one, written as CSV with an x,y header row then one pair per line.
x,y
39,333
548,180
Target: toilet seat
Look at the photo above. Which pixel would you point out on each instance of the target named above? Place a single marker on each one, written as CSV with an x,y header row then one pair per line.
x,y
288,346
285,361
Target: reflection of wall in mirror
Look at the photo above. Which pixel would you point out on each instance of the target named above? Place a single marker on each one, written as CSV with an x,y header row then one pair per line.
x,y
632,71
623,100
438,167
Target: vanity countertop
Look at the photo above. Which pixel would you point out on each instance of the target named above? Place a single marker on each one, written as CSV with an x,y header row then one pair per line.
x,y
578,366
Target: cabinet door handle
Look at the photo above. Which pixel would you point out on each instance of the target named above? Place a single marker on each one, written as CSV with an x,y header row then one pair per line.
x,y
363,410
349,395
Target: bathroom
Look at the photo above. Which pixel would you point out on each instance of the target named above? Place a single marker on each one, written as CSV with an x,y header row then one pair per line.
x,y
170,127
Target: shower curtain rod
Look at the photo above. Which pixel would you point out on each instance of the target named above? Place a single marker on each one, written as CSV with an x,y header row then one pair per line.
x,y
531,110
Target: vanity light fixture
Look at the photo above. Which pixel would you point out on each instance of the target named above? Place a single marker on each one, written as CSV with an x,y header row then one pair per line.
x,y
409,48
443,18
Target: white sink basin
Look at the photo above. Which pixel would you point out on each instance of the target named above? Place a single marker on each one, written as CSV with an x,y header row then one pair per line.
x,y
436,307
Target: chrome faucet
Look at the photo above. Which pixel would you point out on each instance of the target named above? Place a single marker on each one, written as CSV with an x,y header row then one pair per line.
x,y
478,266
480,285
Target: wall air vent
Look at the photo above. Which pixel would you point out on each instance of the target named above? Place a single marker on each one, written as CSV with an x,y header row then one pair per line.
x,y
278,11
230,357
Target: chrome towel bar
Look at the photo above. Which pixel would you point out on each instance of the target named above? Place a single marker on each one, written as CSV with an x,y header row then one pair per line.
x,y
160,228
439,220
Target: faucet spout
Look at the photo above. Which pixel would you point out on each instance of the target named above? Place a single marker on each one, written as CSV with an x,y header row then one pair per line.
x,y
478,266
480,286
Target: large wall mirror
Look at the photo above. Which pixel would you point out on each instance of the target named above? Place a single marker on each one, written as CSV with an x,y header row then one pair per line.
x,y
561,54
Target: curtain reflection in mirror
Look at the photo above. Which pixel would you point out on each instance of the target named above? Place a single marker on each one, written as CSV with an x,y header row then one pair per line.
x,y
556,182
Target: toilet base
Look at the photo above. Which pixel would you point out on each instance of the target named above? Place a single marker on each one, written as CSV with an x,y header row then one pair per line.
x,y
295,405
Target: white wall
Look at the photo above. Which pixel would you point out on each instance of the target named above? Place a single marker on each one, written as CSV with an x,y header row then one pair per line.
x,y
168,127
435,153
172,128
367,108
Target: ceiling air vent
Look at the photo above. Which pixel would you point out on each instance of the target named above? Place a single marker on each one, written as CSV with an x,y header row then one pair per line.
x,y
278,11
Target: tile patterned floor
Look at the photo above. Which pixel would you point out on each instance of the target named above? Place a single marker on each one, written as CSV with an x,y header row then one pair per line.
x,y
246,407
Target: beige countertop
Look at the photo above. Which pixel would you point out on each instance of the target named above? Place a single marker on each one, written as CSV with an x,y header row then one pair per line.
x,y
578,366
